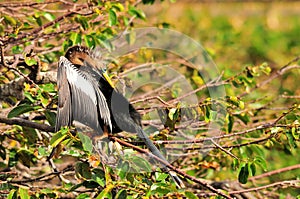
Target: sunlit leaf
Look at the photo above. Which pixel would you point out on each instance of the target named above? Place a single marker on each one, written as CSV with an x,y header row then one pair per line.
x,y
261,162
83,22
89,41
30,61
112,17
58,137
24,108
29,96
23,193
75,38
190,195
160,176
86,142
136,12
49,16
83,196
12,194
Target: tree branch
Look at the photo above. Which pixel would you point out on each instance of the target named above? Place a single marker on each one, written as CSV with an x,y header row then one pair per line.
x,y
27,123
288,183
274,172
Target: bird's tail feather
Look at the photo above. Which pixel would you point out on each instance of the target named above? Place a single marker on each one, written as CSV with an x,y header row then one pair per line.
x,y
157,153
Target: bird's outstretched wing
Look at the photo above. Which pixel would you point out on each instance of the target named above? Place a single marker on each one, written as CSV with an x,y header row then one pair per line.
x,y
79,99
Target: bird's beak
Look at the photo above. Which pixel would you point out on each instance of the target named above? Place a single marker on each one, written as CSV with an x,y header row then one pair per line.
x,y
105,75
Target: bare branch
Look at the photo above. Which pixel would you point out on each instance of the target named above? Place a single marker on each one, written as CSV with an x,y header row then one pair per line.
x,y
27,123
287,183
274,172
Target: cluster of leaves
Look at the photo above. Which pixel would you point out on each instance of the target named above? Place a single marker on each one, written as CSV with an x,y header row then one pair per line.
x,y
256,137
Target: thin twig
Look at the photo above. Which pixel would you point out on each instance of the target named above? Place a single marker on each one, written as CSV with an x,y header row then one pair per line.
x,y
42,177
224,150
27,123
288,183
274,172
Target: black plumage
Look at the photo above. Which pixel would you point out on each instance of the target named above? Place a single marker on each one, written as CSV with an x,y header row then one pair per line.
x,y
87,96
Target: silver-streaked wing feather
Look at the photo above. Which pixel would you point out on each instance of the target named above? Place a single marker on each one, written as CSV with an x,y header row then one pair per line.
x,y
86,102
64,113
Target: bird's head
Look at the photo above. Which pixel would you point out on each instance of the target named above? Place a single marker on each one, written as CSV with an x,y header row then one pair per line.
x,y
81,56
78,55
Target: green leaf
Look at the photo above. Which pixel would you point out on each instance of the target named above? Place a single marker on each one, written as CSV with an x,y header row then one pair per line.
x,y
83,22
137,13
83,169
42,151
16,49
295,133
26,157
89,41
160,188
141,163
161,176
244,174
118,6
12,194
86,142
190,195
230,120
50,88
13,158
123,170
75,38
206,113
23,193
10,20
112,20
83,196
243,117
58,137
39,20
172,113
29,97
122,194
235,164
30,61
291,139
261,162
23,108
49,16
252,168
51,117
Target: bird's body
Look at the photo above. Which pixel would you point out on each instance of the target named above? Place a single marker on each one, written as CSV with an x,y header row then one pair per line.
x,y
87,96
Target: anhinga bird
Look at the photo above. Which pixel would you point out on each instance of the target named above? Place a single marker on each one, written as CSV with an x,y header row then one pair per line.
x,y
86,95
